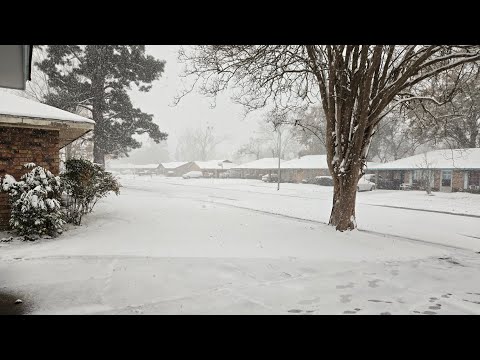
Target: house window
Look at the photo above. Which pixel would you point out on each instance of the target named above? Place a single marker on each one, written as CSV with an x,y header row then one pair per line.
x,y
474,178
446,177
417,175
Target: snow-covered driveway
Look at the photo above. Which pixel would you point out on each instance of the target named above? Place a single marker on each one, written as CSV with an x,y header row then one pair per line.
x,y
169,246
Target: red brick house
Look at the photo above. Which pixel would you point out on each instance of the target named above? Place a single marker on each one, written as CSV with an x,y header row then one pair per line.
x,y
450,170
33,132
255,169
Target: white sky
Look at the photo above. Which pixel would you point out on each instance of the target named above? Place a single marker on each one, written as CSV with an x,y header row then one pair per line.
x,y
194,110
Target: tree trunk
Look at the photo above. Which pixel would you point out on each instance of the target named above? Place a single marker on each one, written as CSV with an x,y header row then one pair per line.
x,y
343,208
98,155
473,139
68,152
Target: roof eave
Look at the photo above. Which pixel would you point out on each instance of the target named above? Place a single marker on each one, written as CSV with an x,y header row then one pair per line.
x,y
69,131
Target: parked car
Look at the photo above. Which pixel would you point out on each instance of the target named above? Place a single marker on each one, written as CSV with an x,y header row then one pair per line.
x,y
372,178
143,172
365,185
192,175
324,180
270,178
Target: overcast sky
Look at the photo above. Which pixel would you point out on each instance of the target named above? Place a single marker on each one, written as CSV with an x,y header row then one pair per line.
x,y
194,109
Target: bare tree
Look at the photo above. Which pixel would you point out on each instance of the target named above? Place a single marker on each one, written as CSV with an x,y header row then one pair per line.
x,y
395,139
255,147
311,133
198,144
456,123
425,174
357,85
279,136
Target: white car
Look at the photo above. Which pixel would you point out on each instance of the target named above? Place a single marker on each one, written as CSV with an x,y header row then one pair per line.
x,y
365,185
192,175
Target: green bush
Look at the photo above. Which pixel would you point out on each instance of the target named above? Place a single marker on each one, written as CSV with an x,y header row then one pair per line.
x,y
35,202
84,184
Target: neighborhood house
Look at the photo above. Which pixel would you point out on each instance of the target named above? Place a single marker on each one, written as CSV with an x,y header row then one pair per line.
x,y
173,168
255,169
447,170
212,168
33,132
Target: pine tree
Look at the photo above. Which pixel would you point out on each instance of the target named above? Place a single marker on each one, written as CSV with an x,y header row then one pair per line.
x,y
96,78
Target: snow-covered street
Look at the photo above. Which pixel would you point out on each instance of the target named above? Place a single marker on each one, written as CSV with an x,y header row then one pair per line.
x,y
231,246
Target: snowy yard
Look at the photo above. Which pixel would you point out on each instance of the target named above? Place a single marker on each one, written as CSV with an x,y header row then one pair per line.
x,y
199,246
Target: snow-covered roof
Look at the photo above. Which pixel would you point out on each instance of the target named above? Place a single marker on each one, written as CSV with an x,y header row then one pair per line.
x,y
438,159
13,105
307,162
119,166
16,111
215,164
173,164
265,163
312,162
147,166
131,166
371,164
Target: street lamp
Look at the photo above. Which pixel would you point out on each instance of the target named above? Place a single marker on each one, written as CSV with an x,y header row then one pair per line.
x,y
279,154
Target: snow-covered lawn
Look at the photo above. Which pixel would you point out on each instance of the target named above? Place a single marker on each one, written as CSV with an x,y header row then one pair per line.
x,y
378,211
168,246
458,202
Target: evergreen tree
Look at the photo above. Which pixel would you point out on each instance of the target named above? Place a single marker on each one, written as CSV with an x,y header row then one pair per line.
x,y
96,78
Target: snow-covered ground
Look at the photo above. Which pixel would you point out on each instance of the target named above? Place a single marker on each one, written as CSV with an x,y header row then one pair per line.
x,y
378,211
198,246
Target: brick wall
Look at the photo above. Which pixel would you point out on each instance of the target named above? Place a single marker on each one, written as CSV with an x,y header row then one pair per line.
x,y
457,180
436,180
22,145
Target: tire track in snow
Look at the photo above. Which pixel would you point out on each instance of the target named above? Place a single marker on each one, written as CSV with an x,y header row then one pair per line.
x,y
399,237
424,210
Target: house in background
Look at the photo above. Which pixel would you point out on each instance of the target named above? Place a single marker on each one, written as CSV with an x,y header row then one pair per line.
x,y
307,168
173,168
255,169
450,169
212,168
132,169
304,168
33,132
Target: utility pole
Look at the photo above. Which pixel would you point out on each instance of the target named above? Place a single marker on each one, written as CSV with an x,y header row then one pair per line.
x,y
279,154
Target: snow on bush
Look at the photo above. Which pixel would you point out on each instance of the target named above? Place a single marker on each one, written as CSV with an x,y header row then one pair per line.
x,y
85,183
35,202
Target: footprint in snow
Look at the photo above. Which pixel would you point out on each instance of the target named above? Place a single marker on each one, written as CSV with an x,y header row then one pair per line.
x,y
295,311
349,285
378,301
373,283
354,311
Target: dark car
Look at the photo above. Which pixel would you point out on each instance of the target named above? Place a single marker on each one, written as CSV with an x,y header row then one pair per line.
x,y
324,180
270,178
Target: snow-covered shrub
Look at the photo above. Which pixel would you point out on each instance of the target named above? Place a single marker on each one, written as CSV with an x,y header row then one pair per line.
x,y
85,183
35,202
